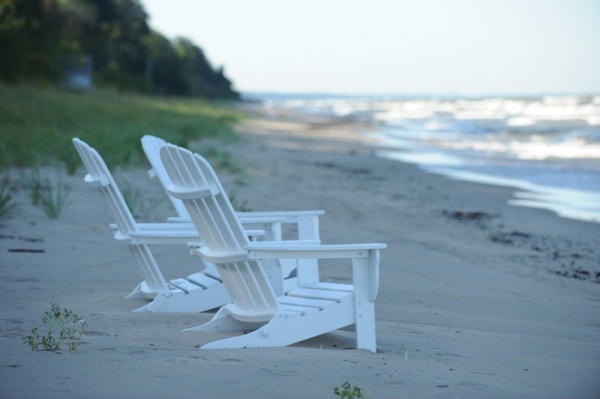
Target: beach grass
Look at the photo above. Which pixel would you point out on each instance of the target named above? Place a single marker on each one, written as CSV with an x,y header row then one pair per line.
x,y
8,207
38,124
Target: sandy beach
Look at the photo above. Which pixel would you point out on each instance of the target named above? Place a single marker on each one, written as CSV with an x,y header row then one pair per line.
x,y
478,299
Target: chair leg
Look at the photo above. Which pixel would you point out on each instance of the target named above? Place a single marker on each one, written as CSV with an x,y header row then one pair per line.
x,y
151,273
365,328
223,322
364,305
136,293
287,329
281,331
142,291
255,339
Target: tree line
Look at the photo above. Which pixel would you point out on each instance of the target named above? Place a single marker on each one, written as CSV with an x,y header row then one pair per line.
x,y
41,39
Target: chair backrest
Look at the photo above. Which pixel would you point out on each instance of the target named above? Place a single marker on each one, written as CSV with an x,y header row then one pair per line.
x,y
194,182
152,146
99,175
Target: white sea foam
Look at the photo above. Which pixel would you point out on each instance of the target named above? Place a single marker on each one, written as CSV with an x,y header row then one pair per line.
x,y
545,143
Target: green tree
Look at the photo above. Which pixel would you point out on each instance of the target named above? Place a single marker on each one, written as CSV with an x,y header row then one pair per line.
x,y
29,39
202,80
40,38
163,67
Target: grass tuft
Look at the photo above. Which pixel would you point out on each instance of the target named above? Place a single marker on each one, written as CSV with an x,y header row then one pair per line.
x,y
8,209
52,199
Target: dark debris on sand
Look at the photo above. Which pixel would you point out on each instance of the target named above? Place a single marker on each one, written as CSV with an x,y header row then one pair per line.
x,y
561,255
564,256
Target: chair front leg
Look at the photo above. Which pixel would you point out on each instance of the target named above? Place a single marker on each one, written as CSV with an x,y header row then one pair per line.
x,y
365,276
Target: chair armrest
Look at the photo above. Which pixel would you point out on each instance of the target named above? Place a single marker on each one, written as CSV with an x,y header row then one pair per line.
x,y
166,226
159,237
276,245
289,216
283,250
365,259
159,226
166,236
244,219
182,229
307,222
261,220
95,182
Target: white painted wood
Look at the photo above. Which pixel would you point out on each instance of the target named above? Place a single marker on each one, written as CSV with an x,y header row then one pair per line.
x,y
306,311
164,296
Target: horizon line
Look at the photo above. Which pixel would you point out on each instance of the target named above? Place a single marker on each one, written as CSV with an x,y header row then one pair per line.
x,y
331,94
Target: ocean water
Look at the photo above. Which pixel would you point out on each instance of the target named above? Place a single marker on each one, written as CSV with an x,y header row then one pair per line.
x,y
546,147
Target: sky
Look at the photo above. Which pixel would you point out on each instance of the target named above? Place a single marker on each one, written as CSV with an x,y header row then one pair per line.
x,y
402,47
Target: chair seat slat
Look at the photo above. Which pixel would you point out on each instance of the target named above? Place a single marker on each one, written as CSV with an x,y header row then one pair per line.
x,y
332,287
311,293
320,304
203,279
185,285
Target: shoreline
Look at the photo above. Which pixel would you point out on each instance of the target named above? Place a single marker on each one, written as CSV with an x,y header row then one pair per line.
x,y
328,135
565,203
470,303
558,174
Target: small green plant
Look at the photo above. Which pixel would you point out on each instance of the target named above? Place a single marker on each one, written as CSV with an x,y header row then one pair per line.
x,y
70,330
7,207
36,185
348,391
51,199
54,200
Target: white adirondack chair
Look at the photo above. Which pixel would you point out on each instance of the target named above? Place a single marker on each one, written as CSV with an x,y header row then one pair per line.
x,y
311,309
198,292
305,222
